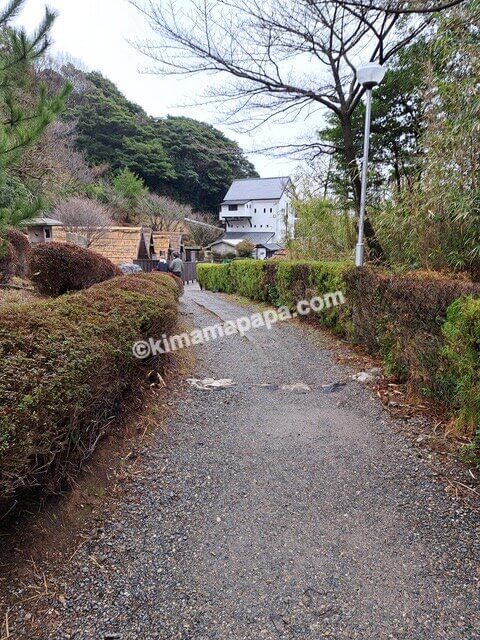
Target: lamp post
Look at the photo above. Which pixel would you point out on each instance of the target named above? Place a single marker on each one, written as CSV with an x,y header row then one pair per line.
x,y
369,76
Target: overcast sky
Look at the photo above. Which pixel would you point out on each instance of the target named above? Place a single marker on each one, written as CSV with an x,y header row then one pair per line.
x,y
96,32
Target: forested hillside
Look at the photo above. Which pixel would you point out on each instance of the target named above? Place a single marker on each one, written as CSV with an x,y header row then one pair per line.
x,y
190,161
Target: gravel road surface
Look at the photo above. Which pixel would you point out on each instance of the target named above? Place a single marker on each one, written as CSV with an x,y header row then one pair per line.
x,y
276,513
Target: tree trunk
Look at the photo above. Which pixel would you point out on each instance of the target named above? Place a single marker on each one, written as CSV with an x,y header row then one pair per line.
x,y
375,250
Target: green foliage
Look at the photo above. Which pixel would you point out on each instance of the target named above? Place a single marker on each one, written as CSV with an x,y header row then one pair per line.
x,y
281,283
435,223
397,110
462,356
22,121
247,278
129,187
65,365
112,130
190,161
215,277
322,230
245,248
205,162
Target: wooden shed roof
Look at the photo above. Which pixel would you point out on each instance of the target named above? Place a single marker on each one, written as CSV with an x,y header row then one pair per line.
x,y
174,239
119,244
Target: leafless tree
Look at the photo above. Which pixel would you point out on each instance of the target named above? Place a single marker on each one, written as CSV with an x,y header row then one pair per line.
x,y
162,213
405,7
283,60
203,228
85,217
55,162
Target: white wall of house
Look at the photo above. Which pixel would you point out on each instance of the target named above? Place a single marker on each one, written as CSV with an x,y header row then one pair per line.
x,y
275,216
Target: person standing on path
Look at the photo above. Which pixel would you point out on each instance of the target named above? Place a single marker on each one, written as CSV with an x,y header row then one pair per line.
x,y
163,266
176,266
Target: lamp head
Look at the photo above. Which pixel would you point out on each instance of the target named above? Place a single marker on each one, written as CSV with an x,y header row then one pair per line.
x,y
370,75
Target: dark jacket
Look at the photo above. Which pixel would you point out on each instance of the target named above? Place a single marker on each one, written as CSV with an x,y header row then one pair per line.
x,y
163,267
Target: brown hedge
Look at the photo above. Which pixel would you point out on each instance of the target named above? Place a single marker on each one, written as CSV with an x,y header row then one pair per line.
x,y
8,261
64,367
57,268
22,248
401,316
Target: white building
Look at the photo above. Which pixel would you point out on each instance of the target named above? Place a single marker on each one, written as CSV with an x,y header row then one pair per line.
x,y
259,210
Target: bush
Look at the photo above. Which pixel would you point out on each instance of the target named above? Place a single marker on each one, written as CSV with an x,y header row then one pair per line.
x,y
8,261
281,283
57,268
245,248
462,363
401,317
65,365
22,248
248,279
215,277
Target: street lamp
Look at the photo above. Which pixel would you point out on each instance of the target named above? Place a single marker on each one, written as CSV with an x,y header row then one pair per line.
x,y
369,76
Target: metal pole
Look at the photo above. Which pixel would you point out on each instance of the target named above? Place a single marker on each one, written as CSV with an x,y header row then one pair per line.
x,y
359,250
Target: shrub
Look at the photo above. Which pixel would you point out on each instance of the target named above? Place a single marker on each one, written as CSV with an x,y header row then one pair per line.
x,y
281,283
8,261
462,363
248,279
22,248
57,268
65,365
245,248
215,277
401,316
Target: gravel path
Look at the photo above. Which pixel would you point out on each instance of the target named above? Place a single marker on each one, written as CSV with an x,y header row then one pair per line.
x,y
274,514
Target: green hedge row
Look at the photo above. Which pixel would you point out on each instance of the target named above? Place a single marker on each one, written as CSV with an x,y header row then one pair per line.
x,y
426,326
65,364
281,283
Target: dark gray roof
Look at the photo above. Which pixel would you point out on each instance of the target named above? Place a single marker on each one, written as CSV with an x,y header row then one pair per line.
x,y
42,222
256,189
253,236
273,246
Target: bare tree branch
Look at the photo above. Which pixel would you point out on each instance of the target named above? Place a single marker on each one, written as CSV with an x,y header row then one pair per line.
x,y
275,60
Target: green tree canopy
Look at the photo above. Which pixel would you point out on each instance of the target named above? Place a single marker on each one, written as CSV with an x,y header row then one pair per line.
x,y
397,111
25,110
190,161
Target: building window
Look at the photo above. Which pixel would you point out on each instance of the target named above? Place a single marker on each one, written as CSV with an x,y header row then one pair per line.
x,y
48,233
271,210
264,211
254,211
233,207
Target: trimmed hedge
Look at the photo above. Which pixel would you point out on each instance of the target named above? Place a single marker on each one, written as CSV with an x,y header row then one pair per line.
x,y
57,268
65,364
400,316
425,325
281,283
